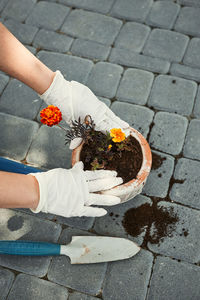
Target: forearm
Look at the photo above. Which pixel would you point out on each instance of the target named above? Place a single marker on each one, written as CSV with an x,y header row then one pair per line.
x,y
18,191
17,61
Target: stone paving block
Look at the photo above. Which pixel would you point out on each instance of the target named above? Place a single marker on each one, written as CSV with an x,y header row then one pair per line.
x,y
194,3
184,242
128,279
173,94
102,6
174,280
29,287
79,296
31,49
3,82
6,280
196,110
104,79
188,21
137,116
19,226
185,72
186,189
166,44
72,68
163,14
91,26
135,10
20,100
48,15
157,184
84,223
111,224
86,278
192,56
192,140
18,9
14,144
3,4
105,100
48,149
23,32
135,86
52,41
132,36
168,132
129,58
90,49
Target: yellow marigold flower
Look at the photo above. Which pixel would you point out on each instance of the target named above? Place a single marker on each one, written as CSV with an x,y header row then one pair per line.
x,y
117,135
51,115
109,147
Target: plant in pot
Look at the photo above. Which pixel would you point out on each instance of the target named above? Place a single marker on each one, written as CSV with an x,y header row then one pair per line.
x,y
129,156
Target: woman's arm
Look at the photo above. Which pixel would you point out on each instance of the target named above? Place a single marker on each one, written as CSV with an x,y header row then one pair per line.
x,y
18,190
19,62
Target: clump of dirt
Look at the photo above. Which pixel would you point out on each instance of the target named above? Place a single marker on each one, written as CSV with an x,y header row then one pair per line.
x,y
157,161
163,220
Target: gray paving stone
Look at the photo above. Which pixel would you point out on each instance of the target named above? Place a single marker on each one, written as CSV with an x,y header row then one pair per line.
x,y
157,184
90,49
194,3
20,226
3,4
186,190
118,285
185,72
104,79
173,94
166,44
192,56
31,49
14,144
188,21
86,278
192,140
48,149
129,58
6,280
168,132
23,32
135,86
52,41
166,282
135,10
29,287
196,110
79,296
18,9
102,6
3,82
105,100
48,15
91,26
179,245
132,36
163,14
72,68
111,224
84,223
137,116
20,100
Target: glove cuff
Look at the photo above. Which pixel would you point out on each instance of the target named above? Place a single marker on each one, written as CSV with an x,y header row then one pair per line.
x,y
43,193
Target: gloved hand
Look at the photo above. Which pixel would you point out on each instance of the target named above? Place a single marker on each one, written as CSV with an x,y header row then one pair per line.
x,y
70,193
77,100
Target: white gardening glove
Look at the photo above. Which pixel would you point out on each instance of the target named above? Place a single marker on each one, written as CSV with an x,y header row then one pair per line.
x,y
77,100
70,193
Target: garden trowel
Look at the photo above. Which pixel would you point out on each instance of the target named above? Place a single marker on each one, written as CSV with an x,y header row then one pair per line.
x,y
81,250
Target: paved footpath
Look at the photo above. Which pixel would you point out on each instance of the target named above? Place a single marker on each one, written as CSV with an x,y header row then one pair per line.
x,y
142,58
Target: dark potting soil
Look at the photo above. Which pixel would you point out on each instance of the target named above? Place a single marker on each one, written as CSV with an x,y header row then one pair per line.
x,y
163,221
127,164
157,161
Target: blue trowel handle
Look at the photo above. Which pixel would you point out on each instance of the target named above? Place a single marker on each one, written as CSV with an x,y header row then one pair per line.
x,y
29,248
16,167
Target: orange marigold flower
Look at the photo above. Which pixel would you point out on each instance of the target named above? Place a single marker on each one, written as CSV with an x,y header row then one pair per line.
x,y
117,135
109,147
51,115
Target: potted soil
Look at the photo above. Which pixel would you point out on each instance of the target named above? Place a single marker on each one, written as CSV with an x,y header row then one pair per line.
x,y
131,158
